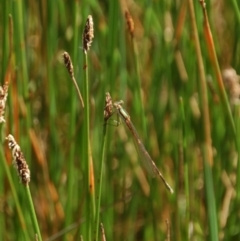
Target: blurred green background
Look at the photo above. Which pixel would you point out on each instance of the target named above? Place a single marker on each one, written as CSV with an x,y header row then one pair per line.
x,y
156,74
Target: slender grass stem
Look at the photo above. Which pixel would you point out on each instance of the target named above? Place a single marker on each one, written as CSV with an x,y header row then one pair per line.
x,y
112,41
50,38
20,33
226,105
238,148
208,180
33,214
137,71
203,86
88,35
69,66
98,208
78,91
207,145
72,128
236,9
138,89
214,60
107,114
87,146
90,174
186,174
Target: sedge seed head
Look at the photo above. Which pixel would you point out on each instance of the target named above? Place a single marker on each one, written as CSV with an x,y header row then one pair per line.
x,y
88,34
68,63
3,100
19,161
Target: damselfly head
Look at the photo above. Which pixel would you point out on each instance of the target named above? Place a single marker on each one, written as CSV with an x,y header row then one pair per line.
x,y
118,104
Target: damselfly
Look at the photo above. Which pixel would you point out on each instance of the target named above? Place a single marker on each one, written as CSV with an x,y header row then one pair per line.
x,y
143,154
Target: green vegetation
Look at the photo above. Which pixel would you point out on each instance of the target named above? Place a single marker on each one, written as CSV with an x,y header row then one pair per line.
x,y
174,64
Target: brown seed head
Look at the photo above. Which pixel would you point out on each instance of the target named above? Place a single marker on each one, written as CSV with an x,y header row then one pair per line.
x,y
88,34
3,99
19,161
68,63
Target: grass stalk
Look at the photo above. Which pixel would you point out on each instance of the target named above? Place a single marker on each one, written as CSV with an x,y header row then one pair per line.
x,y
203,86
91,207
207,145
112,42
33,214
138,89
224,98
186,174
98,207
87,145
24,79
107,114
214,61
69,66
51,38
236,9
72,128
211,206
138,95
